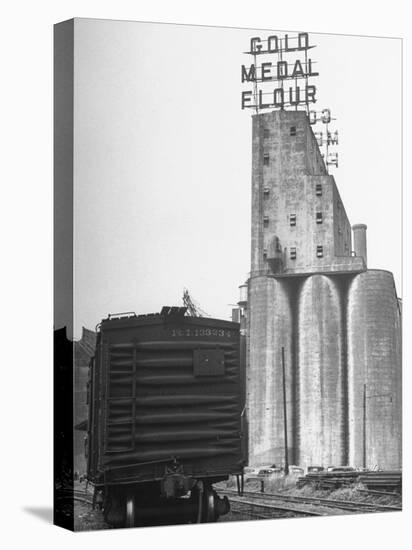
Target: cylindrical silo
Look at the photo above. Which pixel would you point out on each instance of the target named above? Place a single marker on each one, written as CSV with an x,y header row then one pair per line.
x,y
321,433
374,371
269,329
359,241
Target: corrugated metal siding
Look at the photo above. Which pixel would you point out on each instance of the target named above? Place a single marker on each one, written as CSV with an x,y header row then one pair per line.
x,y
154,406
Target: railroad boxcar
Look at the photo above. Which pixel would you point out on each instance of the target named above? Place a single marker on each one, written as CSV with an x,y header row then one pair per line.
x,y
166,398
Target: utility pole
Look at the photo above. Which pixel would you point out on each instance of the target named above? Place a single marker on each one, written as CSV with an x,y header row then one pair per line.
x,y
364,425
285,421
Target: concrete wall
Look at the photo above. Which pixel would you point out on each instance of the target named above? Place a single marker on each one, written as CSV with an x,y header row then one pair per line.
x,y
374,359
333,234
359,241
315,164
342,231
270,328
286,167
288,159
321,434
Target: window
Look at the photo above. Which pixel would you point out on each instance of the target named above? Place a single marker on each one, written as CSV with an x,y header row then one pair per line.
x,y
292,219
318,189
319,251
293,253
266,192
266,159
293,130
266,133
319,217
265,253
266,221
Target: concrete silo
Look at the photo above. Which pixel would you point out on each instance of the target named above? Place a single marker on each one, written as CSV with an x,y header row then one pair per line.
x,y
321,430
374,371
303,262
270,321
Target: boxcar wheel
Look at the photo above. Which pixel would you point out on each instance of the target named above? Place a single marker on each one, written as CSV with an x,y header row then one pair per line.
x,y
209,510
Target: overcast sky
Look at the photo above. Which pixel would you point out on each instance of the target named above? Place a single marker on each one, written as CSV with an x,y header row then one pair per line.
x,y
162,161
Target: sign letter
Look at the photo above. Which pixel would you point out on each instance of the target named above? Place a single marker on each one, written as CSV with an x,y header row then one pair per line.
x,y
248,76
295,101
310,94
282,69
278,97
261,104
287,49
255,44
273,44
303,41
310,73
297,70
312,117
246,98
266,71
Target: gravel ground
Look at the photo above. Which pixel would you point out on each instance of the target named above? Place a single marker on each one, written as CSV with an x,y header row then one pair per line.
x,y
279,486
87,519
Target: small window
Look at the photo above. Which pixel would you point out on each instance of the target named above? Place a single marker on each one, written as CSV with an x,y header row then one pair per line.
x,y
266,159
265,253
319,251
266,133
318,189
292,219
293,130
293,253
319,217
266,221
266,193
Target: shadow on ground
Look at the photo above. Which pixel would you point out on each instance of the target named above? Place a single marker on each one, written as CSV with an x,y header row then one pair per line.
x,y
42,512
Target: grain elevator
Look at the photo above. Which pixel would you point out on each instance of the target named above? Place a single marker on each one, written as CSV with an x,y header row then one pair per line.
x,y
311,293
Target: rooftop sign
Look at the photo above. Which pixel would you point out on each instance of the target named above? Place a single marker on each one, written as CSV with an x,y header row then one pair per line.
x,y
282,82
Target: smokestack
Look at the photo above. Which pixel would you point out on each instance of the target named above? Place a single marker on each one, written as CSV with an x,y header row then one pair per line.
x,y
359,240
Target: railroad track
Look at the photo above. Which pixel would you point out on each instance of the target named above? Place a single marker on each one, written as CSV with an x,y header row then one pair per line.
x,y
349,506
381,493
260,510
75,494
276,505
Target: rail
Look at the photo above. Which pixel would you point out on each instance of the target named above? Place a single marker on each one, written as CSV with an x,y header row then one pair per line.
x,y
331,503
